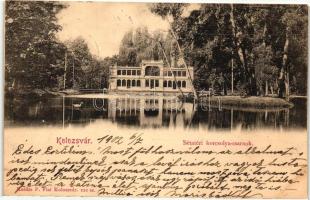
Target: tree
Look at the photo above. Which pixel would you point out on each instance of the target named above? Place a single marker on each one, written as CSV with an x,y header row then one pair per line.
x,y
174,11
100,78
264,42
33,55
265,72
294,21
127,51
90,72
140,45
80,65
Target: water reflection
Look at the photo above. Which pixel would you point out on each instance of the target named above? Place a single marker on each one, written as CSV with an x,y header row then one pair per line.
x,y
155,112
150,112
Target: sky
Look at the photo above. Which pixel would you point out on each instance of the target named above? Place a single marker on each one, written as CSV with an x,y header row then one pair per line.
x,y
103,25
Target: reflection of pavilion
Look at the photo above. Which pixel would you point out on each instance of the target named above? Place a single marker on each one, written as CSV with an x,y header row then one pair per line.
x,y
150,111
157,111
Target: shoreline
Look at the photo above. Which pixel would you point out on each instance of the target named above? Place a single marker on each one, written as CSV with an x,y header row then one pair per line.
x,y
248,102
235,101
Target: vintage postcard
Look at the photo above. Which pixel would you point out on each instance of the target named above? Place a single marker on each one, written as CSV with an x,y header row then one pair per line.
x,y
155,100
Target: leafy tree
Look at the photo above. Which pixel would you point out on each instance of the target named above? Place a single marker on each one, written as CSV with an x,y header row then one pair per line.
x,y
90,72
33,55
140,45
127,51
165,10
261,40
265,72
294,21
80,65
174,11
99,79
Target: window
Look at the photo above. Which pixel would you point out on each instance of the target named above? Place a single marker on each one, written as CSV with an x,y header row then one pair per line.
x,y
134,72
129,72
179,83
179,73
165,83
138,83
138,72
184,84
169,73
123,72
123,83
174,85
147,83
133,83
183,73
156,83
169,84
119,82
175,73
128,84
119,72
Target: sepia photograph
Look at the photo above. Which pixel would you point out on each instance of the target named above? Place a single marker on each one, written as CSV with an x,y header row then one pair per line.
x,y
208,66
155,99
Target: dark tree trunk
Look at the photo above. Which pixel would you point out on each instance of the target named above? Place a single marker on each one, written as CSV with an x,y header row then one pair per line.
x,y
284,79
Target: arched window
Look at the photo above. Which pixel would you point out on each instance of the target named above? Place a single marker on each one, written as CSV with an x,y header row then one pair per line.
x,y
123,83
184,84
133,83
169,84
179,83
119,82
138,83
165,83
128,83
152,71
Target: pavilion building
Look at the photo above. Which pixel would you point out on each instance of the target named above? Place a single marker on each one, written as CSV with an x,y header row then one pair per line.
x,y
151,76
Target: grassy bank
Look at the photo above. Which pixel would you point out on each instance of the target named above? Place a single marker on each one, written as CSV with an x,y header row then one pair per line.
x,y
248,102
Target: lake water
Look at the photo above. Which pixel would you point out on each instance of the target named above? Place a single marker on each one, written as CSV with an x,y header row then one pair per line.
x,y
146,112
